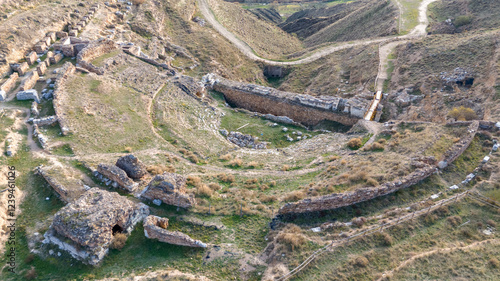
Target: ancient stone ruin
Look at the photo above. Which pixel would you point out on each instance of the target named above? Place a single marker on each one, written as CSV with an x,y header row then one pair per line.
x,y
156,228
28,95
59,93
68,191
301,108
170,188
190,86
243,140
134,168
117,175
85,228
93,50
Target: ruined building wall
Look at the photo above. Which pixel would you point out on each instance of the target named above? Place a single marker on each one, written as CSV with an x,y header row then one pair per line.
x,y
337,200
59,92
304,109
91,52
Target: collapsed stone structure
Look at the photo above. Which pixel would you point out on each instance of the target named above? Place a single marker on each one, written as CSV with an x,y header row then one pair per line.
x,y
117,175
301,108
243,140
85,228
134,167
170,188
337,200
136,52
156,228
42,139
28,95
190,86
93,50
67,192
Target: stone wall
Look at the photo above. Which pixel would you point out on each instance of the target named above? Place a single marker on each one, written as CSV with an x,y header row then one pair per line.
x,y
65,194
67,70
156,228
117,175
92,51
10,83
30,81
337,200
304,109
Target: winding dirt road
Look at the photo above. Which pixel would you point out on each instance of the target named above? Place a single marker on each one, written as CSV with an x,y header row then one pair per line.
x,y
415,33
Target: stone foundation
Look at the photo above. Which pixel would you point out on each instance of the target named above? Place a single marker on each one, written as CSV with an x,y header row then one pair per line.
x,y
41,68
92,51
337,200
30,81
56,58
10,83
304,109
67,70
156,228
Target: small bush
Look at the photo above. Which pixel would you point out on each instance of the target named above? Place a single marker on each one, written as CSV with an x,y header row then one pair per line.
x,y
225,157
160,169
361,261
31,274
491,223
462,114
193,158
360,175
355,143
29,258
214,186
376,146
387,239
226,178
285,168
128,149
193,180
494,262
268,198
236,163
359,222
294,196
462,20
253,165
204,190
372,182
272,183
333,158
118,241
291,236
454,220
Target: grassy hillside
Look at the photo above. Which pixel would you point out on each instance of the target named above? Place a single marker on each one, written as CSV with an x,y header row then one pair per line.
x,y
467,15
266,39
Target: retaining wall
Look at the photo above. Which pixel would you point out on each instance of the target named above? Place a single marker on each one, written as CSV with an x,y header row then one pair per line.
x,y
67,69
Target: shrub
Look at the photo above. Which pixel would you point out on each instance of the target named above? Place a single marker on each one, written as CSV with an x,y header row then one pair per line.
x,y
333,158
118,241
285,168
462,113
355,143
360,175
31,274
204,190
454,220
236,162
272,183
226,178
361,261
491,223
462,20
359,222
376,146
387,239
253,164
214,186
268,198
193,158
128,149
160,169
294,196
291,236
29,258
193,180
494,263
225,157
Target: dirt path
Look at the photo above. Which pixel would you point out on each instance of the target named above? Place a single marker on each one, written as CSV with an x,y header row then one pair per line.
x,y
384,51
373,127
417,32
387,274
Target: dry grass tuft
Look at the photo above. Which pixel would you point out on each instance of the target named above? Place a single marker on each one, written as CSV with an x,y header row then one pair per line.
x,y
204,190
228,178
355,143
291,236
118,241
193,180
214,186
361,261
253,164
225,157
236,162
160,169
294,196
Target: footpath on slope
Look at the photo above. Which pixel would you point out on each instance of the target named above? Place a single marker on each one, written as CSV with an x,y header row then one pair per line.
x,y
415,33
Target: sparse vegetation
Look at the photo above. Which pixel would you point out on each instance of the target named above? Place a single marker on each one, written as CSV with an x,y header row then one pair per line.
x,y
118,241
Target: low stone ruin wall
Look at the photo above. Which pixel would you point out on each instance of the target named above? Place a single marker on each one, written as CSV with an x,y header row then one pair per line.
x,y
156,228
65,194
304,109
337,200
67,70
169,188
134,51
42,139
117,175
30,81
91,52
8,85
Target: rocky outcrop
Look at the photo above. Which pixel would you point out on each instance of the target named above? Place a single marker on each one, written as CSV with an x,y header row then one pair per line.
x,y
117,175
304,109
170,188
132,166
156,228
85,228
67,70
247,141
337,200
92,51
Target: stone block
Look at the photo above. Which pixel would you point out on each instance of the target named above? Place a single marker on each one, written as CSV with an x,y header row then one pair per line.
x,y
56,58
68,50
156,228
31,58
41,68
134,168
47,40
28,95
52,35
30,81
40,47
61,34
21,68
118,175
